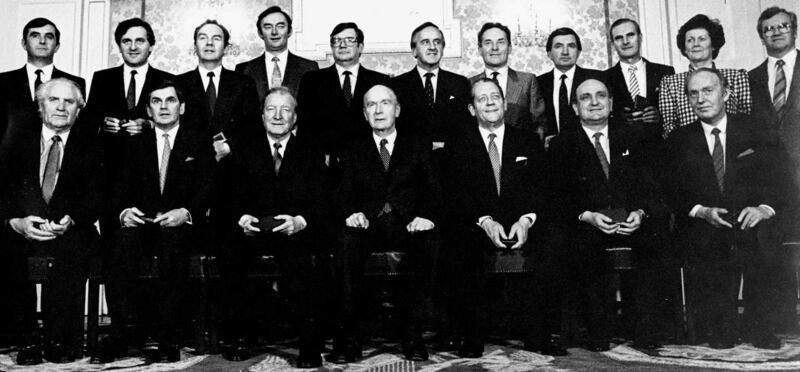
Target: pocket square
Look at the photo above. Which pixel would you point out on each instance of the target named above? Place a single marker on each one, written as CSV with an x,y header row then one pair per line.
x,y
189,159
626,153
745,153
452,98
521,158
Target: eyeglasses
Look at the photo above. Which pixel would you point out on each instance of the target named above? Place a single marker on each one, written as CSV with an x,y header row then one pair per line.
x,y
348,41
777,29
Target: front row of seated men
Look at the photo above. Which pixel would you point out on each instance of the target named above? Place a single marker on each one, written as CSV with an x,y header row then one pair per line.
x,y
590,192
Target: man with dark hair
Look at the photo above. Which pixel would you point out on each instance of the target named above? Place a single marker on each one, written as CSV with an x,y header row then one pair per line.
x,y
50,203
523,96
277,66
41,40
434,101
330,100
160,204
558,86
634,81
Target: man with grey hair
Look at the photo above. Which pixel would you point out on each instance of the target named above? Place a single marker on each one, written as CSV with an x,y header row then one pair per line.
x,y
50,202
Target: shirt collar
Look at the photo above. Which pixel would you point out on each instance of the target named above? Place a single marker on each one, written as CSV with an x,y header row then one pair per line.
x,y
499,132
47,70
591,132
204,72
421,71
272,142
722,126
788,60
160,132
282,56
570,73
639,65
353,69
140,71
502,70
48,133
389,139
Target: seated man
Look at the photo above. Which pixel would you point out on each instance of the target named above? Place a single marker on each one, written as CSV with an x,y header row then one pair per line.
x,y
50,199
162,199
279,205
390,196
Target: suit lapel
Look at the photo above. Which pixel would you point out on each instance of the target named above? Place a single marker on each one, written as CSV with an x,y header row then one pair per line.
x,y
794,90
617,75
22,85
227,94
652,79
704,162
333,85
442,88
196,86
290,77
513,87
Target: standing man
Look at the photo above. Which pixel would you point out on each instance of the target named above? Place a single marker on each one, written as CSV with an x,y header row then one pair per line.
x,y
50,202
558,86
725,181
634,82
160,204
495,176
277,66
523,96
331,99
41,40
434,101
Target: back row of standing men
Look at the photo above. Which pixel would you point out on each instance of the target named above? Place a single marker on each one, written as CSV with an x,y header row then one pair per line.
x,y
602,179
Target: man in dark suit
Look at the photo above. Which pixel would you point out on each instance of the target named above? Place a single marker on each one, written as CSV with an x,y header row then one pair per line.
x,y
41,40
51,201
495,175
634,82
434,101
603,192
331,100
280,208
277,66
523,96
725,181
390,199
161,203
558,85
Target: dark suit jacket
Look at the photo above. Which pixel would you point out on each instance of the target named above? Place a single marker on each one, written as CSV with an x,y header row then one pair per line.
x,y
256,68
546,86
324,117
524,100
622,97
752,178
17,107
449,114
786,128
410,185
236,111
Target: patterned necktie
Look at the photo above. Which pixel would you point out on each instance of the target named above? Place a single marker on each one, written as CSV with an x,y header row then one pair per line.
x,y
347,89
37,82
634,82
563,103
494,157
162,170
429,98
277,159
718,155
779,94
385,157
131,96
601,155
51,169
211,92
276,73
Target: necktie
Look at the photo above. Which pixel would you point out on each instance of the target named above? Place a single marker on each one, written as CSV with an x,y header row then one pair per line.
x,y
347,89
719,159
276,73
277,159
494,75
385,157
162,170
211,92
601,155
37,82
779,94
634,82
494,157
51,169
131,96
563,103
429,98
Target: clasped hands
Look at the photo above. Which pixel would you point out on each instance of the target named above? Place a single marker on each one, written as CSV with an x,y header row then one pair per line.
x,y
133,217
608,226
494,230
291,225
649,115
359,221
114,125
748,218
40,229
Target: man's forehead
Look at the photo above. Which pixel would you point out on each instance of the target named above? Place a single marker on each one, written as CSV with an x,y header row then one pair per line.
x,y
430,31
565,39
136,31
623,29
46,29
484,87
591,86
703,79
346,32
210,30
164,93
279,98
273,19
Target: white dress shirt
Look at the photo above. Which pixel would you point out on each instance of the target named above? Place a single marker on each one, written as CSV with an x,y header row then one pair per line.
x,y
283,143
788,70
557,88
47,74
141,74
389,141
502,77
641,75
434,79
204,76
353,76
603,140
282,57
44,150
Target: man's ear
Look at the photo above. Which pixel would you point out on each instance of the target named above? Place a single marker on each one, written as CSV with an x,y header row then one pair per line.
x,y
471,109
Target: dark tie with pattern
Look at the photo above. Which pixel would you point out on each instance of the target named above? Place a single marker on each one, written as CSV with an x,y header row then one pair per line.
x,y
347,88
211,92
385,157
51,169
779,94
634,82
37,82
131,96
277,159
429,98
718,155
494,157
563,103
601,155
276,73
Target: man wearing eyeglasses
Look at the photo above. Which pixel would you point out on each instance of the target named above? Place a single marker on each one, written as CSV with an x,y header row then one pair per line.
x,y
776,103
330,100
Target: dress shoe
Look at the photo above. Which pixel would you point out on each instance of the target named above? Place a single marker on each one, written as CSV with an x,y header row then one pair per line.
x,y
766,341
108,350
721,343
60,353
550,347
598,345
415,351
470,350
346,352
309,360
170,353
29,355
238,351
